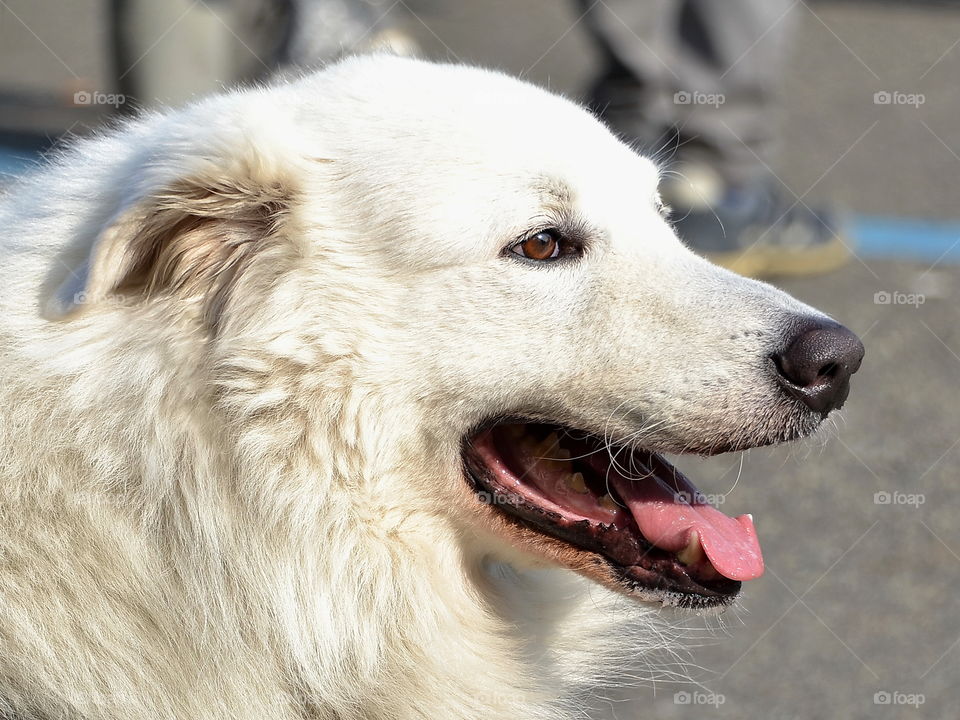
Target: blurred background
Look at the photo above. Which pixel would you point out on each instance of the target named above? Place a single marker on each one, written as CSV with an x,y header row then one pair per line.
x,y
858,614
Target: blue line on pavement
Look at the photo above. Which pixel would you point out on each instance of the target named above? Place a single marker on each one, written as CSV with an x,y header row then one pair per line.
x,y
906,238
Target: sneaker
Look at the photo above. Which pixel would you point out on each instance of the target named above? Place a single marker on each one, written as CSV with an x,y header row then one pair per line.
x,y
754,230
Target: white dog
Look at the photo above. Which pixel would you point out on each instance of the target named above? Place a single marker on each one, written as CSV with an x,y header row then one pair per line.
x,y
313,396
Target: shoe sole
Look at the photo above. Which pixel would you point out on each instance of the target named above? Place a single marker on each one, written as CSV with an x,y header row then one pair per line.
x,y
766,261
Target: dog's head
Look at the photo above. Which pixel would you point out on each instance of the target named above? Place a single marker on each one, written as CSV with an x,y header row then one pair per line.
x,y
473,283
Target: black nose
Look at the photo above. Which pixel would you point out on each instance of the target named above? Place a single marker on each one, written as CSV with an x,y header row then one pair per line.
x,y
817,365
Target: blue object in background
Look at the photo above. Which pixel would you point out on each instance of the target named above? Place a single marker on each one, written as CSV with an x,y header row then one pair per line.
x,y
906,238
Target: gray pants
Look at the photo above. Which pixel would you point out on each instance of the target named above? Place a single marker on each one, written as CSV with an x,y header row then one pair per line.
x,y
703,75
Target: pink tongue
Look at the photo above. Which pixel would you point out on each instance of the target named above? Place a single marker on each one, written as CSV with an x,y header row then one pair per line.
x,y
666,516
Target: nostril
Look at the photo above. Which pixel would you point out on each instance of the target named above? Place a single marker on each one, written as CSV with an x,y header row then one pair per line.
x,y
829,370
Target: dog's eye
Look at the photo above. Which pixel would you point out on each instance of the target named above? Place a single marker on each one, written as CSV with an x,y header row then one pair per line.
x,y
544,245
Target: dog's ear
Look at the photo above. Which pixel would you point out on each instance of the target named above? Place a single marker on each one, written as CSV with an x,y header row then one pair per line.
x,y
192,241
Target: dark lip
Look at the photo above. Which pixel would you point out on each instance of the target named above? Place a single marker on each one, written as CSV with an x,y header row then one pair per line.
x,y
658,577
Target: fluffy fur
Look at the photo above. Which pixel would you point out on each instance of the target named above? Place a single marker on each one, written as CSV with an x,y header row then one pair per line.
x,y
241,345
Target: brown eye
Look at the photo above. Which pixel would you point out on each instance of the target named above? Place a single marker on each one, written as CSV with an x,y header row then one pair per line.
x,y
545,245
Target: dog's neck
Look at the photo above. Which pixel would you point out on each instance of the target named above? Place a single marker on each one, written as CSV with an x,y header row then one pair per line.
x,y
376,597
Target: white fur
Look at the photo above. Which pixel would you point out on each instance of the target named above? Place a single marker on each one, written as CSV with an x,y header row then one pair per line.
x,y
234,489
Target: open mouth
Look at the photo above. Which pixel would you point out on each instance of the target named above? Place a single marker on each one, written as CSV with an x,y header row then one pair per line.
x,y
627,507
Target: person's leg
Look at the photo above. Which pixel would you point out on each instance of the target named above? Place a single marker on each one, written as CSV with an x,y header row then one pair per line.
x,y
710,70
696,82
636,42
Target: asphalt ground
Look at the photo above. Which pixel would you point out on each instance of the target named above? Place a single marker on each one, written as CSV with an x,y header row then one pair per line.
x,y
858,525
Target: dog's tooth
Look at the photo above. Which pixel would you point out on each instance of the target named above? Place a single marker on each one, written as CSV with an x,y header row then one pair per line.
x,y
693,552
576,483
562,454
607,502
